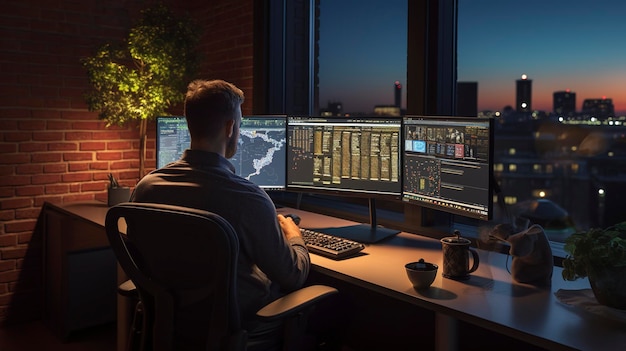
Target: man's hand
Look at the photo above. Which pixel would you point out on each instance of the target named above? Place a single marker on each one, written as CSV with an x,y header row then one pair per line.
x,y
290,229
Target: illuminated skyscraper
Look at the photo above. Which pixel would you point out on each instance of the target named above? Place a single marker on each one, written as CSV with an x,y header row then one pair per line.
x,y
397,91
599,108
523,94
564,103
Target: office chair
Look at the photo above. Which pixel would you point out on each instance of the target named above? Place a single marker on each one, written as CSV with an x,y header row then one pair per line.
x,y
183,263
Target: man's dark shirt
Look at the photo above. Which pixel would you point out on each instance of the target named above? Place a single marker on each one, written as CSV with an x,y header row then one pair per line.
x,y
268,264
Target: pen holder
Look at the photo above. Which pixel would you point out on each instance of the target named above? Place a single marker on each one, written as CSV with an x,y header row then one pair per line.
x,y
118,195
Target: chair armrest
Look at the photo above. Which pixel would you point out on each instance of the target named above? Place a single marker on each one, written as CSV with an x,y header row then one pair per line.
x,y
295,302
128,289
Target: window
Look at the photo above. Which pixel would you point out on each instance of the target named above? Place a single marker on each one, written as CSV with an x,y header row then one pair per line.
x,y
573,88
570,158
362,57
510,200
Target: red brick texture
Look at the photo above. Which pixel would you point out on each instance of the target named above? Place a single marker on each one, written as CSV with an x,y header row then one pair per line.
x,y
51,147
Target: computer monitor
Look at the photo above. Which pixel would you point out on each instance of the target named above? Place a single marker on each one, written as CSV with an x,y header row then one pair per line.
x,y
353,156
172,138
345,156
448,164
261,150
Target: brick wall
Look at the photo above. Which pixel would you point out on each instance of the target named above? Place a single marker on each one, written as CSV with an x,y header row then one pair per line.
x,y
51,148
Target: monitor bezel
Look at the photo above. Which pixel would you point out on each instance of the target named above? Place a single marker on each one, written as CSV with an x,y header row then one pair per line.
x,y
354,193
490,181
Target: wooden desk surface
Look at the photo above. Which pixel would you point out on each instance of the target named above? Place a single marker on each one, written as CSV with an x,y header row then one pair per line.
x,y
94,211
488,299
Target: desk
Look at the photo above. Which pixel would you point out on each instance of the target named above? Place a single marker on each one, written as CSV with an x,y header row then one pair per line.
x,y
80,270
488,299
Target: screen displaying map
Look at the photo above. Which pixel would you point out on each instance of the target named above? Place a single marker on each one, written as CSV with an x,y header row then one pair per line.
x,y
261,151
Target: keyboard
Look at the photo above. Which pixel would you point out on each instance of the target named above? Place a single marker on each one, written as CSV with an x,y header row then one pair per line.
x,y
329,245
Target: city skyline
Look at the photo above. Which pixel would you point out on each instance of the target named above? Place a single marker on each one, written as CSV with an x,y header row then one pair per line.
x,y
560,45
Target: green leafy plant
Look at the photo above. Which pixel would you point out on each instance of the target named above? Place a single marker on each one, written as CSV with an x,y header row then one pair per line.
x,y
595,249
137,80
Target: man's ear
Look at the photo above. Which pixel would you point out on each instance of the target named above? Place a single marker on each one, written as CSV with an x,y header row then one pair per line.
x,y
229,128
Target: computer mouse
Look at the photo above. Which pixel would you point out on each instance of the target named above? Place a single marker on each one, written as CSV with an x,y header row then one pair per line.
x,y
294,217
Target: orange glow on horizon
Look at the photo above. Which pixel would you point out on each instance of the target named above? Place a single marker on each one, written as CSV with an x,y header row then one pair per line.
x,y
494,95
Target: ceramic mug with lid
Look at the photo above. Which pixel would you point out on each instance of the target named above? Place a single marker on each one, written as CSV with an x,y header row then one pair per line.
x,y
456,258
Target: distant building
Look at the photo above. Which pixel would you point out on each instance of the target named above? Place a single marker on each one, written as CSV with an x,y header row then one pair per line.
x,y
387,110
581,167
397,93
523,94
599,108
334,108
564,103
467,99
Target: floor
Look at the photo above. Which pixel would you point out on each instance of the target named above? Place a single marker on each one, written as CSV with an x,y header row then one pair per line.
x,y
35,336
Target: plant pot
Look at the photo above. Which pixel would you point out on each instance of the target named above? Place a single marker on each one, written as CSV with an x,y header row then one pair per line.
x,y
609,286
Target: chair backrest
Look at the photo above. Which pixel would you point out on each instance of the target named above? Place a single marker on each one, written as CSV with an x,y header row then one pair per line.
x,y
183,262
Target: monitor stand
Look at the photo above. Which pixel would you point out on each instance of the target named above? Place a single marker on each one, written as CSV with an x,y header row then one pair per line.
x,y
363,233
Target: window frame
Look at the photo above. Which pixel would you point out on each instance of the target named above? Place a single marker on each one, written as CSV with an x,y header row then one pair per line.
x,y
431,90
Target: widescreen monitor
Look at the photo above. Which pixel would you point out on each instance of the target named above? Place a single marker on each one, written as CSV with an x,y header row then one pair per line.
x,y
354,156
448,164
345,156
261,149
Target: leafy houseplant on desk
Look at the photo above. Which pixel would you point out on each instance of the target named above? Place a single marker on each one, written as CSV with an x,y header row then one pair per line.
x,y
600,255
146,74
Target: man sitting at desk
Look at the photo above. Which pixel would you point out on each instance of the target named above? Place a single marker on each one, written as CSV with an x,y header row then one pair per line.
x,y
273,258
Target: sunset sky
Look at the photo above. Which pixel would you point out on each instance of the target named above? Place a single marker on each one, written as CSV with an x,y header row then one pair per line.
x,y
578,45
575,44
362,52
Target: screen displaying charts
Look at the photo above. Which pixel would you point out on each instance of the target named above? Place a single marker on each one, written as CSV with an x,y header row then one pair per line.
x,y
172,138
448,163
349,156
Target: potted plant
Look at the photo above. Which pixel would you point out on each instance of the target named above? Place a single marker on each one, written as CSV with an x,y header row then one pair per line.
x,y
600,255
139,79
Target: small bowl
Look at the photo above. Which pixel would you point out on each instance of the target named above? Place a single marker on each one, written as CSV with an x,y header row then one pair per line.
x,y
421,274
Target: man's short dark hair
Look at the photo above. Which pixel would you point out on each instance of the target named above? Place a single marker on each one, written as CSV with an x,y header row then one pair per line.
x,y
209,104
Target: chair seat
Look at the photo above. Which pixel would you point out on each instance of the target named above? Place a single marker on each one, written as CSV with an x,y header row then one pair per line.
x,y
188,291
